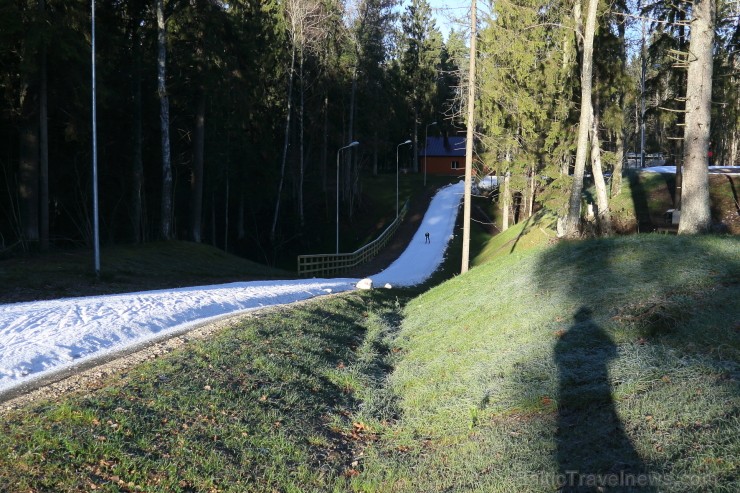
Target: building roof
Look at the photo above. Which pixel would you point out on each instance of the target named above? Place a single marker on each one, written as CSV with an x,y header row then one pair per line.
x,y
439,146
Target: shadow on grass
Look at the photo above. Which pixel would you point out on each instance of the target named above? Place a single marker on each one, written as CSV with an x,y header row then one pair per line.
x,y
668,293
640,202
592,447
734,192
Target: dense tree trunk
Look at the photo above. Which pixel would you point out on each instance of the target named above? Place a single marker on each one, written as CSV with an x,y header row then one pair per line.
x,y
602,199
241,232
196,181
375,153
347,189
137,185
28,176
530,198
286,144
695,213
325,144
301,157
616,183
681,117
573,219
43,144
506,201
164,108
415,147
226,212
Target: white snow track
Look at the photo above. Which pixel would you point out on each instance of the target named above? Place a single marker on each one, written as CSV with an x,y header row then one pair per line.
x,y
41,339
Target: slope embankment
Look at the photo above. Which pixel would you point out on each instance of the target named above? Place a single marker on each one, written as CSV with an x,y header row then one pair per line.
x,y
610,360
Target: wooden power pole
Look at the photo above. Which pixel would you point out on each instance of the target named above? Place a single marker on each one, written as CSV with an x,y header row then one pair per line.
x,y
469,143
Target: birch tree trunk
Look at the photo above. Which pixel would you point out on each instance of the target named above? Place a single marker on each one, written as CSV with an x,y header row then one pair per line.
x,y
602,199
286,143
573,219
695,214
164,108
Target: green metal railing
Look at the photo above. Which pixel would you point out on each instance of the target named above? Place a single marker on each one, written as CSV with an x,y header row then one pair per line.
x,y
331,264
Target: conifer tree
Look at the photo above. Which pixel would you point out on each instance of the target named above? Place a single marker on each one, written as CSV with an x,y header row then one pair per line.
x,y
420,64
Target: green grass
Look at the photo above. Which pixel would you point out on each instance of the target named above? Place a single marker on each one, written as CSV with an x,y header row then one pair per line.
x,y
529,233
606,357
266,405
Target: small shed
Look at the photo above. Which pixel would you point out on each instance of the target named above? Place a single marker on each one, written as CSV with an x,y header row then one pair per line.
x,y
443,156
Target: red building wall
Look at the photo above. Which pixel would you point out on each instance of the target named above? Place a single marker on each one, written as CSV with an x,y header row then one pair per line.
x,y
443,165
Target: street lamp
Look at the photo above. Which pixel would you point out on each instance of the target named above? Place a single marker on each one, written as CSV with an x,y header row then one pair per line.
x,y
96,221
354,143
397,147
426,130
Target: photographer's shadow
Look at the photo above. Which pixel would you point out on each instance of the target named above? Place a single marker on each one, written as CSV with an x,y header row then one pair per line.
x,y
593,450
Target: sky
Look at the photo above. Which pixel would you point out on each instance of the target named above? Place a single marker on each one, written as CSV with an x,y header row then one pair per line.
x,y
445,11
41,339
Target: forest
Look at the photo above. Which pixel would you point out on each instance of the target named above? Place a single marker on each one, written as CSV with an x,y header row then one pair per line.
x,y
220,121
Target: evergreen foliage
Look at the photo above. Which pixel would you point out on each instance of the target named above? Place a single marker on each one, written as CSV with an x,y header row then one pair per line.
x,y
375,71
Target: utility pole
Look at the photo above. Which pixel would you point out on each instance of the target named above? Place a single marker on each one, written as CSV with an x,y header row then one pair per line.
x,y
96,224
469,143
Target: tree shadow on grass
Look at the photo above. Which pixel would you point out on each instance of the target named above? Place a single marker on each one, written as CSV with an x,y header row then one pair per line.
x,y
593,450
640,203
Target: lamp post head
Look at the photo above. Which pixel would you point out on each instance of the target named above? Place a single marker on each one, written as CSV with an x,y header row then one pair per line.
x,y
433,123
354,143
404,143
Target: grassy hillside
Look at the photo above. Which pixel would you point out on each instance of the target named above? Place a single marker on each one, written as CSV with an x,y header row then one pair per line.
x,y
598,365
265,404
605,361
605,357
529,233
